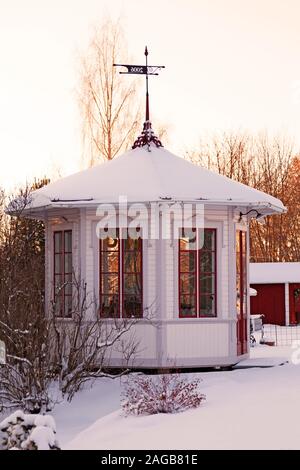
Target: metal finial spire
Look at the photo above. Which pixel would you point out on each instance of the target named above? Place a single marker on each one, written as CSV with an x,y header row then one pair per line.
x,y
147,136
147,89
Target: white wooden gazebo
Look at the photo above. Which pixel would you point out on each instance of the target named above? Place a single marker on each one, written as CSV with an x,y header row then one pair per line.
x,y
192,276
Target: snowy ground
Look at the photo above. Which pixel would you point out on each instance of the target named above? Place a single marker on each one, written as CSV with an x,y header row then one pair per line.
x,y
246,408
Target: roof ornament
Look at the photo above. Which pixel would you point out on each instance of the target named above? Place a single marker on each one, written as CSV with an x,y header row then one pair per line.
x,y
147,136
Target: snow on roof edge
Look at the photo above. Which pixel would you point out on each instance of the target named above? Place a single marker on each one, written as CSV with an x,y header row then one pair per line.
x,y
274,273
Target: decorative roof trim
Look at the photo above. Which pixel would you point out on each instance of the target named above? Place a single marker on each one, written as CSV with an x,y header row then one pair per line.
x,y
147,137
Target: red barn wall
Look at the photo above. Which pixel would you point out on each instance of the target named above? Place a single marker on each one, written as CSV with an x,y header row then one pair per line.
x,y
270,301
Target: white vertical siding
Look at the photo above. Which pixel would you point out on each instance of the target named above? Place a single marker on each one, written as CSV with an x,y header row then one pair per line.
x,y
170,279
91,255
287,303
150,253
197,340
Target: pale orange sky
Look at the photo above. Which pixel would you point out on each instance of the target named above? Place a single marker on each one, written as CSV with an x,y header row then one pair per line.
x,y
229,64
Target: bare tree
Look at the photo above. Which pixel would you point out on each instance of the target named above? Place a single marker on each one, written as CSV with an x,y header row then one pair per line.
x,y
108,104
272,241
81,348
23,380
266,164
230,154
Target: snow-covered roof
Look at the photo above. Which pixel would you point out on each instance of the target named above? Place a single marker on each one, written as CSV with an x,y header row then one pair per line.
x,y
144,176
274,273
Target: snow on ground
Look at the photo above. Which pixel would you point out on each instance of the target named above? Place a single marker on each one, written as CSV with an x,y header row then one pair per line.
x,y
255,408
87,406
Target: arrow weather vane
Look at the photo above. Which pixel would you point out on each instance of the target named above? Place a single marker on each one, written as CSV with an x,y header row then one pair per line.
x,y
147,135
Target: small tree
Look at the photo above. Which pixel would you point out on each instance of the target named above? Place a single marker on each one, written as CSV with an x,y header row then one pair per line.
x,y
108,104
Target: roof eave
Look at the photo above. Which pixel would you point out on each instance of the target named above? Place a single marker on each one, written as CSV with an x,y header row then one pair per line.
x,y
265,208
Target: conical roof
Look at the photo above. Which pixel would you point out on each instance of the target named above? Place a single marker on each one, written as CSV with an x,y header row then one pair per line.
x,y
148,174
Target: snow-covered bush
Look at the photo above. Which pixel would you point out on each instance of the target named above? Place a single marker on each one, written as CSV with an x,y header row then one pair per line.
x,y
22,431
167,393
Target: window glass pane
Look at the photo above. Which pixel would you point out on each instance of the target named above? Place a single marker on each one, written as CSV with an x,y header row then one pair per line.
x,y
207,261
187,284
132,276
58,305
132,306
133,240
238,263
244,260
207,306
187,261
237,241
68,263
57,281
207,284
68,306
110,244
132,262
238,294
238,272
187,306
109,305
110,262
68,241
68,284
109,283
188,239
209,239
132,285
57,264
243,241
244,274
57,242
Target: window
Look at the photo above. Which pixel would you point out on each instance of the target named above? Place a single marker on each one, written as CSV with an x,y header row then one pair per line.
x,y
63,267
241,291
197,273
121,287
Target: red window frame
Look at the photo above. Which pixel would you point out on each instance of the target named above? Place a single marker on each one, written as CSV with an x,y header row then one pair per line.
x,y
198,252
241,288
102,273
182,273
212,274
122,250
132,273
64,276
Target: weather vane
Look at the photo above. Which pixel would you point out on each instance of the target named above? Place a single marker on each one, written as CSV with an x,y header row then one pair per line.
x,y
147,135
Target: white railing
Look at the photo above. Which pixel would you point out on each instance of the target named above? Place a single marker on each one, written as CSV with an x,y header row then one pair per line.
x,y
281,335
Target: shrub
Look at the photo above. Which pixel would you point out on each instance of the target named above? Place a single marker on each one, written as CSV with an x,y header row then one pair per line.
x,y
167,393
22,431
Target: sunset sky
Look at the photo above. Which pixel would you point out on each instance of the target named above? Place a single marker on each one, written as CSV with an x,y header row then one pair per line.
x,y
230,64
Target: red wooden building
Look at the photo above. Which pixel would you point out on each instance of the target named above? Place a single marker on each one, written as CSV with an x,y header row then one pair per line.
x,y
278,292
